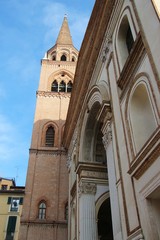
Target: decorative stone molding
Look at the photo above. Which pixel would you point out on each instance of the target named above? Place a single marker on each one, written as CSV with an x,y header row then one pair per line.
x,y
73,189
73,142
40,223
53,94
87,188
73,205
138,235
106,48
107,138
69,159
94,174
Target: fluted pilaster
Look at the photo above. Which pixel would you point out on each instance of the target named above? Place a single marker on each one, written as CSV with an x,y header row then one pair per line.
x,y
88,226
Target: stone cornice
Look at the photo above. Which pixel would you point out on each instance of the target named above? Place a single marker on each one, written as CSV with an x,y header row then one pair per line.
x,y
87,59
146,157
47,223
12,192
92,171
58,63
47,152
53,94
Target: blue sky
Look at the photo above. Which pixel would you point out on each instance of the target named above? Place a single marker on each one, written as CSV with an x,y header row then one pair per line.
x,y
27,30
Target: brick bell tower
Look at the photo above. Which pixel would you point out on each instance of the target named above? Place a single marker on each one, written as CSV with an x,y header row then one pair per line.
x,y
45,202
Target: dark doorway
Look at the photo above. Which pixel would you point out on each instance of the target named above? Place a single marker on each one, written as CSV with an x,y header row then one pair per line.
x,y
105,222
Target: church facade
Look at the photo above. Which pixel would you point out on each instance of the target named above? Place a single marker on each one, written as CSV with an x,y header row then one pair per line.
x,y
94,167
112,130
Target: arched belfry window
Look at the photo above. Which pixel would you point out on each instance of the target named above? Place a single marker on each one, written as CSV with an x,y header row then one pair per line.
x,y
42,210
54,58
54,87
50,134
62,86
63,58
69,86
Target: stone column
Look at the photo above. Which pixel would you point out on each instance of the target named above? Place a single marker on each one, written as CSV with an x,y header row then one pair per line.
x,y
115,212
87,213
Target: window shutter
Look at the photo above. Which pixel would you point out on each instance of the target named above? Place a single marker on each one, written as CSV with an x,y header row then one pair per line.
x,y
11,224
50,137
9,200
21,201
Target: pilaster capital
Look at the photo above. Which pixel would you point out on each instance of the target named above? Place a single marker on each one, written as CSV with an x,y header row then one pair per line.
x,y
87,188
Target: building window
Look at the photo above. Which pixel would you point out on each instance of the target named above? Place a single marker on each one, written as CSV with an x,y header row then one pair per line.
x,y
11,228
129,39
125,40
4,187
14,202
62,86
54,87
42,211
50,137
63,58
73,59
69,86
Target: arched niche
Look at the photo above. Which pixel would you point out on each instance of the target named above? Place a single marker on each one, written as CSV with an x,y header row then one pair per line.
x,y
142,118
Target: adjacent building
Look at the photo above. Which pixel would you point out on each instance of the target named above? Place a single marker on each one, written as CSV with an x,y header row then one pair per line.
x,y
11,203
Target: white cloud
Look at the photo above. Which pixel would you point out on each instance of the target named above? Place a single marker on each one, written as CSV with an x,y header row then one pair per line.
x,y
53,17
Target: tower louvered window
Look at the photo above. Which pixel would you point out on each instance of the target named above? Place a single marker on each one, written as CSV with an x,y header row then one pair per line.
x,y
54,87
69,86
50,137
63,58
62,86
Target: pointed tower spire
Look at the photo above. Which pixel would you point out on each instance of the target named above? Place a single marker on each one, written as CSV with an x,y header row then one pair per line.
x,y
64,36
